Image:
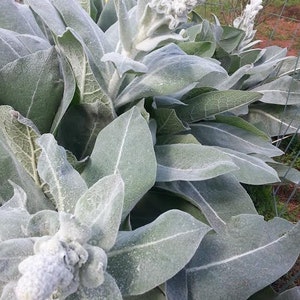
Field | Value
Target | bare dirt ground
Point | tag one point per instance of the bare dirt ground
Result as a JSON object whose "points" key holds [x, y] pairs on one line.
{"points": [[281, 27]]}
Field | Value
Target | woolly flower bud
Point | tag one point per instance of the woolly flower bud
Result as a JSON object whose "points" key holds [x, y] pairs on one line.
{"points": [[246, 21], [42, 275], [176, 10]]}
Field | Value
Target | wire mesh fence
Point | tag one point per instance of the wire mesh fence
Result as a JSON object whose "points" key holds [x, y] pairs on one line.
{"points": [[278, 23]]}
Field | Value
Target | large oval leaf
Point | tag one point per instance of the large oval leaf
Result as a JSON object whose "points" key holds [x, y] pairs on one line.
{"points": [[36, 94], [276, 120], [209, 104], [252, 248], [171, 70], [251, 170], [228, 136], [191, 162], [65, 184], [100, 208], [283, 91], [159, 249], [218, 198], [125, 146]]}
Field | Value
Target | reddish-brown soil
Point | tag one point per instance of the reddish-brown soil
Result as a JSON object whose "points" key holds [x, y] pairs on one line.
{"points": [[281, 27]]}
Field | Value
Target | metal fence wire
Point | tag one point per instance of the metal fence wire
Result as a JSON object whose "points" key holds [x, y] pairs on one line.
{"points": [[278, 23]]}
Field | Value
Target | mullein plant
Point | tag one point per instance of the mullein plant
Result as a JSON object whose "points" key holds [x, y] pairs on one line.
{"points": [[125, 140]]}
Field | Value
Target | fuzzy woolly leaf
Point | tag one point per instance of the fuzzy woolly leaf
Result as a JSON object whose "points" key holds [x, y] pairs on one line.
{"points": [[18, 17], [252, 248], [65, 183], [228, 136], [45, 222], [161, 79], [251, 169], [13, 215], [47, 12], [12, 252], [218, 198], [107, 290], [37, 91], [138, 252], [275, 120], [92, 272], [136, 164], [282, 91], [21, 135], [191, 162], [209, 104], [100, 208]]}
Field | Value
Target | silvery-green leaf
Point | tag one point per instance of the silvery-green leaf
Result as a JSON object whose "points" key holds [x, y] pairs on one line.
{"points": [[289, 66], [235, 80], [92, 272], [100, 208], [275, 120], [50, 16], [90, 89], [18, 17], [138, 252], [251, 170], [136, 164], [228, 136], [291, 294], [124, 26], [191, 162], [14, 216], [252, 248], [14, 45], [285, 172], [37, 91], [218, 198], [268, 63], [231, 37], [45, 222], [10, 167], [203, 48], [168, 122], [152, 42], [283, 91], [243, 124], [93, 37], [18, 201], [12, 252], [65, 184], [124, 64], [106, 291], [160, 80], [209, 104], [69, 91], [21, 135]]}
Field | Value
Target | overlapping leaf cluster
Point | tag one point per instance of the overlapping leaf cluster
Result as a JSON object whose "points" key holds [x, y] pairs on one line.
{"points": [[126, 135]]}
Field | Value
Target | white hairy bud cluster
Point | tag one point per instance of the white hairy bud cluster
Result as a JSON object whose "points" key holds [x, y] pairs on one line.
{"points": [[176, 10], [53, 269], [246, 22]]}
